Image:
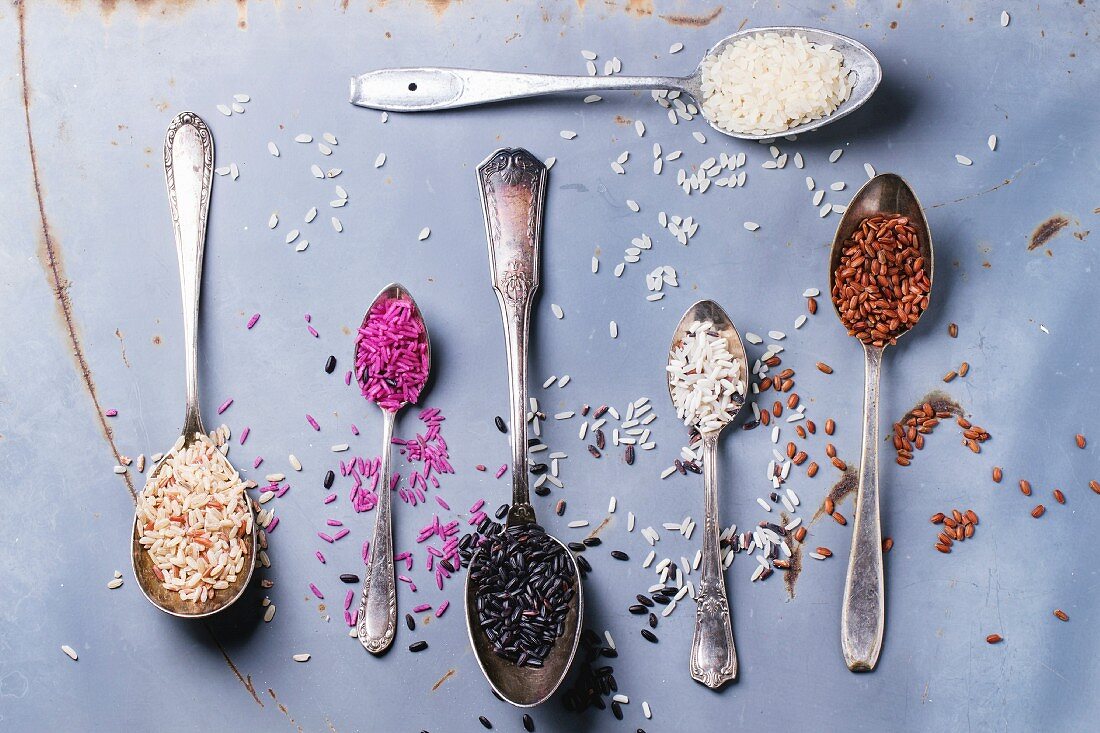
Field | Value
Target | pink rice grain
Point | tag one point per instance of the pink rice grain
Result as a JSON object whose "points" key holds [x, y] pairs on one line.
{"points": [[253, 320], [391, 358], [313, 423], [111, 413], [225, 405], [439, 500], [313, 332], [334, 523], [256, 463], [320, 557], [501, 470], [341, 534], [316, 591], [325, 537], [442, 608], [272, 525], [348, 599], [244, 434], [354, 430], [422, 608], [329, 499]]}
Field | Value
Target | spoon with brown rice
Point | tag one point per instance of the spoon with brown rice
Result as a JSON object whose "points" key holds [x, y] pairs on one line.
{"points": [[194, 540]]}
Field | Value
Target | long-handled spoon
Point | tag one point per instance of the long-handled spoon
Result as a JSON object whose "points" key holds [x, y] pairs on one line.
{"points": [[863, 613], [713, 654], [427, 89], [513, 191], [378, 607], [188, 168]]}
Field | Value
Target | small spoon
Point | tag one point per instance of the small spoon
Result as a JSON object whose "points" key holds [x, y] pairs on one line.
{"points": [[429, 89], [863, 613], [188, 169], [378, 606], [513, 192], [713, 654]]}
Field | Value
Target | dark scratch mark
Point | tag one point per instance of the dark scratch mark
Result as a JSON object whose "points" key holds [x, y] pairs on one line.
{"points": [[1002, 184], [247, 682], [49, 256], [693, 21], [790, 575], [450, 673], [596, 532], [1047, 231], [328, 722], [284, 711], [122, 345]]}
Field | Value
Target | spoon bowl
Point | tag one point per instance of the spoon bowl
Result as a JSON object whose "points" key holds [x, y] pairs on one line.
{"points": [[188, 169], [427, 89], [863, 615], [377, 622], [713, 653]]}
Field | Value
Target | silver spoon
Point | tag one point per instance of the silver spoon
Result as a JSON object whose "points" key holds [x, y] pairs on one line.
{"points": [[428, 89], [378, 606], [863, 613], [513, 191], [188, 168], [713, 654]]}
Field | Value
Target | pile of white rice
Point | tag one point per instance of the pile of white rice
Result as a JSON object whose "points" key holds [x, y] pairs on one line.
{"points": [[768, 83], [196, 517], [708, 387]]}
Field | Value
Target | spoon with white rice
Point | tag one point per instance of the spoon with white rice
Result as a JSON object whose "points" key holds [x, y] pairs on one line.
{"points": [[755, 84], [707, 373]]}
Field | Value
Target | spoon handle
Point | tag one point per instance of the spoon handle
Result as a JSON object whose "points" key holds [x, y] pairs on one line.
{"points": [[863, 614], [378, 607], [513, 192], [713, 654], [188, 171], [427, 89]]}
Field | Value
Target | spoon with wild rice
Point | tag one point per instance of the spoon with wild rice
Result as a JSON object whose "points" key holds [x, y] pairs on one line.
{"points": [[392, 360], [880, 270], [706, 381], [739, 73], [193, 546], [523, 589]]}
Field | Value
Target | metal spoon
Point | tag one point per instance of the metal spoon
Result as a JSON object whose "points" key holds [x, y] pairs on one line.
{"points": [[188, 169], [428, 89], [513, 191], [378, 606], [863, 613], [713, 654]]}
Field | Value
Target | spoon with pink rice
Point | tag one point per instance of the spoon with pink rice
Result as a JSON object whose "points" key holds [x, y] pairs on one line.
{"points": [[392, 363]]}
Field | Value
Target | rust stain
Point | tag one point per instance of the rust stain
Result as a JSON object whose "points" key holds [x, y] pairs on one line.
{"points": [[639, 8], [284, 711], [693, 21], [49, 255], [439, 7], [450, 673], [122, 345], [620, 120], [247, 682], [596, 532], [1047, 231], [790, 575], [847, 484], [242, 14]]}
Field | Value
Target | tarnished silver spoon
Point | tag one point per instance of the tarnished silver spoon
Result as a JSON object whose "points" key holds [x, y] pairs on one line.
{"points": [[428, 89], [713, 654], [863, 613], [377, 622], [513, 191], [188, 169]]}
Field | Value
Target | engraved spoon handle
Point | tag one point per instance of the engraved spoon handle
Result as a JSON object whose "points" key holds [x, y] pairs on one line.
{"points": [[863, 614], [188, 171], [378, 607], [427, 89], [513, 191], [713, 654]]}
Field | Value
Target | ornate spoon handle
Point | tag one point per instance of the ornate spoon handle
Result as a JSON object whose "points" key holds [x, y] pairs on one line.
{"points": [[713, 654], [513, 191], [427, 89], [378, 608], [188, 171], [863, 614]]}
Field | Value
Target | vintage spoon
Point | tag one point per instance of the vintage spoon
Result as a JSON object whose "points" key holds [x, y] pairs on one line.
{"points": [[713, 654], [863, 613], [378, 606], [188, 168], [428, 89], [513, 191]]}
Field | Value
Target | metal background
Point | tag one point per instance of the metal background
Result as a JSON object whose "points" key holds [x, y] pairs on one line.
{"points": [[85, 223]]}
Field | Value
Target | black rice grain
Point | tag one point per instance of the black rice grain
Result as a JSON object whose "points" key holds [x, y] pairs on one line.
{"points": [[649, 636], [329, 478], [502, 428], [330, 364], [418, 646], [349, 578]]}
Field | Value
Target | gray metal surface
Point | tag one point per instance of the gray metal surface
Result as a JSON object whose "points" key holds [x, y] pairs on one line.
{"points": [[87, 258]]}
